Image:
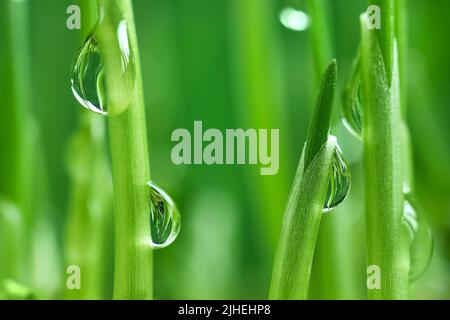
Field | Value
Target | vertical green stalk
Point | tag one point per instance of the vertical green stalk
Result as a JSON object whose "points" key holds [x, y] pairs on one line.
{"points": [[259, 98], [402, 41], [383, 161], [301, 221], [386, 34], [89, 218], [129, 158], [15, 132], [87, 235], [401, 34], [320, 36], [325, 282]]}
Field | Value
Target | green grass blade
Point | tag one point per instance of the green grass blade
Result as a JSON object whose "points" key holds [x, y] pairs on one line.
{"points": [[321, 120], [12, 241], [383, 168], [258, 95], [90, 209], [16, 130], [320, 36], [386, 34], [129, 159], [294, 256], [89, 219]]}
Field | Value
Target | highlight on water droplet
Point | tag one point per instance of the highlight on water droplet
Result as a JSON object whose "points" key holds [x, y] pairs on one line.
{"points": [[87, 77], [419, 236], [124, 45], [340, 181], [88, 74], [294, 19], [165, 219]]}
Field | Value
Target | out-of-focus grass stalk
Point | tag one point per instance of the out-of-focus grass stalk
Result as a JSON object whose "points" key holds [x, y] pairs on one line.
{"points": [[401, 33], [320, 35], [325, 282], [259, 99], [383, 160], [15, 130], [90, 211], [301, 221], [129, 158]]}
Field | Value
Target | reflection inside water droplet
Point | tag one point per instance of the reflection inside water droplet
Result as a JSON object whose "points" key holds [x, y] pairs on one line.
{"points": [[165, 219], [351, 104], [88, 80], [352, 110], [294, 19], [340, 181], [419, 236], [87, 77]]}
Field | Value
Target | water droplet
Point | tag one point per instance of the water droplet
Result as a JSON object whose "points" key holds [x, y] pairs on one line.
{"points": [[406, 189], [420, 237], [352, 109], [87, 77], [294, 19], [340, 181], [88, 80], [165, 219], [351, 105]]}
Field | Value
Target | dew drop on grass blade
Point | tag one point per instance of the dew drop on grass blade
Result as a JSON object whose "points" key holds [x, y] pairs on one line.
{"points": [[419, 236], [165, 219], [88, 81], [351, 104], [340, 181]]}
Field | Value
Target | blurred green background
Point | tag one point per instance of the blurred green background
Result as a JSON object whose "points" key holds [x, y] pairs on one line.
{"points": [[230, 64]]}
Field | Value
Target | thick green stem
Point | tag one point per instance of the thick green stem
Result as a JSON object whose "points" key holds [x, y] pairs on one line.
{"points": [[129, 157], [383, 160], [386, 34]]}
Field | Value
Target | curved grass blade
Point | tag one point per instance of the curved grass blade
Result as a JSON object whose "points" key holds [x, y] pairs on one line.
{"points": [[300, 227]]}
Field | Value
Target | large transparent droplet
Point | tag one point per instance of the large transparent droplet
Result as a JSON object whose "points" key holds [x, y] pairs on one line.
{"points": [[420, 237], [88, 79], [165, 219], [340, 181], [294, 19]]}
